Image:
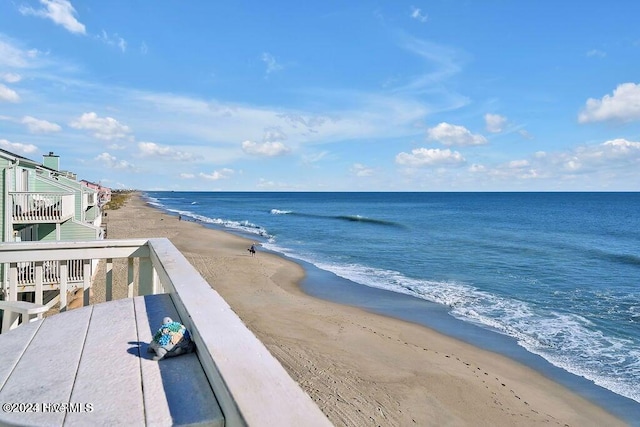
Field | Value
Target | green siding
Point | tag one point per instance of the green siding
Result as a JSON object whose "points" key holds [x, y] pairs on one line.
{"points": [[44, 186], [47, 232], [76, 187], [73, 231], [91, 214]]}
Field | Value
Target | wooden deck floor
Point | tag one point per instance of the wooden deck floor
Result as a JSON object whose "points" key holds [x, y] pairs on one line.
{"points": [[90, 366]]}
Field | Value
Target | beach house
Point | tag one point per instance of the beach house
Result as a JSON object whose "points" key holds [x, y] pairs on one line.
{"points": [[104, 193], [40, 202]]}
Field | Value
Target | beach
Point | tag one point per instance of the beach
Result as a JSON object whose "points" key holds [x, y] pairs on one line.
{"points": [[360, 368]]}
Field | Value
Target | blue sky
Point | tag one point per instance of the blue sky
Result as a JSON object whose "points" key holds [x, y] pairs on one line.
{"points": [[445, 95]]}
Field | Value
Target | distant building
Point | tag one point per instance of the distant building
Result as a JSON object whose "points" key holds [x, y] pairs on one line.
{"points": [[104, 193]]}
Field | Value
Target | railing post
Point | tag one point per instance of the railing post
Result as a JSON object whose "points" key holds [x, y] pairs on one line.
{"points": [[109, 279], [86, 281], [63, 272], [39, 279], [10, 319], [157, 285], [145, 279], [130, 277]]}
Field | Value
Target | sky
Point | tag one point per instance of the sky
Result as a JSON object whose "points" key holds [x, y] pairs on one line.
{"points": [[439, 95]]}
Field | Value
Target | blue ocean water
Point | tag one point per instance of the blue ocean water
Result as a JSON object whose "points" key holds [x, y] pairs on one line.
{"points": [[559, 273]]}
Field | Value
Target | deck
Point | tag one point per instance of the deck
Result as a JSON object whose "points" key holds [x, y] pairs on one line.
{"points": [[95, 359], [90, 366]]}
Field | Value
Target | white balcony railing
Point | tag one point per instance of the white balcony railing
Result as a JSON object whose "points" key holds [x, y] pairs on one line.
{"points": [[251, 386], [39, 207], [49, 272]]}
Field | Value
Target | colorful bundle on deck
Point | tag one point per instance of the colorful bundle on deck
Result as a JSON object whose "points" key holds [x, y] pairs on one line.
{"points": [[172, 339]]}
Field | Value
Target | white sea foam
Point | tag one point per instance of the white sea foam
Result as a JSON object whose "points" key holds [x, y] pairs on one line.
{"points": [[241, 226], [153, 201], [279, 212], [568, 341]]}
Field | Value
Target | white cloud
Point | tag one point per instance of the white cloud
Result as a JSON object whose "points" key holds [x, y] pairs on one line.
{"points": [[596, 52], [622, 146], [266, 184], [40, 126], [525, 134], [187, 176], [217, 175], [430, 157], [444, 62], [12, 56], [10, 77], [371, 116], [476, 168], [106, 128], [18, 147], [573, 164], [114, 40], [361, 170], [60, 12], [8, 95], [112, 162], [314, 157], [274, 133], [454, 135], [271, 63], [151, 149], [517, 164], [495, 122], [417, 14], [623, 105], [592, 163], [267, 149]]}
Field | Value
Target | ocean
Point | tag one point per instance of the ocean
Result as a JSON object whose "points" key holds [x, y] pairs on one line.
{"points": [[549, 279]]}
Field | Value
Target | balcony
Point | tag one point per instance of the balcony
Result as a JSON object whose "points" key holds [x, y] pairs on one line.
{"points": [[29, 207], [90, 199], [61, 358]]}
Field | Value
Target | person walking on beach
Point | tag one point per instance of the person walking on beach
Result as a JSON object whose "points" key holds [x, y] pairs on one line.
{"points": [[252, 250]]}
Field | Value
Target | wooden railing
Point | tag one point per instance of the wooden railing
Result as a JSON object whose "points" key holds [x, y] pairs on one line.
{"points": [[250, 385], [33, 207], [50, 273]]}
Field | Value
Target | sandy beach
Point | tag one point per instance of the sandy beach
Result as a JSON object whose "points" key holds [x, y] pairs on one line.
{"points": [[362, 369]]}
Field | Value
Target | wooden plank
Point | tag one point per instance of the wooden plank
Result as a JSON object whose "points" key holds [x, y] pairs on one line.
{"points": [[46, 371], [108, 376], [176, 390], [13, 345]]}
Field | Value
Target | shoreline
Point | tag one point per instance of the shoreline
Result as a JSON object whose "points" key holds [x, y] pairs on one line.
{"points": [[360, 367]]}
